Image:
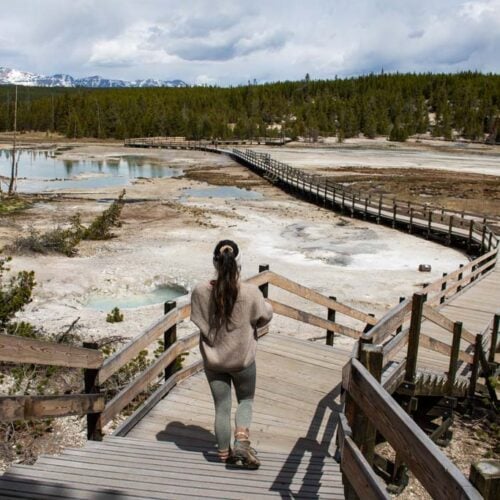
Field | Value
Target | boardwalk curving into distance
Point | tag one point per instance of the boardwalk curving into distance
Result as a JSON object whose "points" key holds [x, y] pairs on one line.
{"points": [[434, 343]]}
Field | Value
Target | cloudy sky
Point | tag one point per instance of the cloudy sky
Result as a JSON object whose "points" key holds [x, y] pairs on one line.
{"points": [[230, 42]]}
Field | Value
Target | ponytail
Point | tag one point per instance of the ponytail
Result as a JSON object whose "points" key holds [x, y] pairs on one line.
{"points": [[225, 288]]}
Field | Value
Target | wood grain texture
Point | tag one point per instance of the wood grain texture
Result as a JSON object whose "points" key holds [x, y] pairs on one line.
{"points": [[318, 298], [147, 377], [311, 319], [23, 350], [434, 470], [33, 407]]}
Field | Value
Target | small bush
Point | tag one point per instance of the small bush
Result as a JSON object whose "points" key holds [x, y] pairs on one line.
{"points": [[15, 292], [115, 316], [66, 239], [100, 227]]}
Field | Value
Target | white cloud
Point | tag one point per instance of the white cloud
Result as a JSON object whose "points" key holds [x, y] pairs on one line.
{"points": [[231, 42]]}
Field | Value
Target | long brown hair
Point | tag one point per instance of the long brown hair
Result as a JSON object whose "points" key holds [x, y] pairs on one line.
{"points": [[225, 288]]}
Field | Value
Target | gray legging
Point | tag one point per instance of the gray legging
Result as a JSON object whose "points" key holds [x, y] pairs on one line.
{"points": [[220, 385]]}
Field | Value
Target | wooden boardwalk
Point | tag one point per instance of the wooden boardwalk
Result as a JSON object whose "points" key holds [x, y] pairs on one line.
{"points": [[475, 308], [171, 452], [166, 449]]}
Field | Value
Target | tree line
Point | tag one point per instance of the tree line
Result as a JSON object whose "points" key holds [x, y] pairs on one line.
{"points": [[395, 105]]}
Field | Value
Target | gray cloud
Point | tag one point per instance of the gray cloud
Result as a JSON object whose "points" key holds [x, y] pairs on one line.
{"points": [[230, 42]]}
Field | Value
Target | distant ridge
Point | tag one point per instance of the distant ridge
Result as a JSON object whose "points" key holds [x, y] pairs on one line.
{"points": [[10, 76]]}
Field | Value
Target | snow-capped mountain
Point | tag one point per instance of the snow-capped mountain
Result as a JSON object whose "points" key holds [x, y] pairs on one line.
{"points": [[10, 76]]}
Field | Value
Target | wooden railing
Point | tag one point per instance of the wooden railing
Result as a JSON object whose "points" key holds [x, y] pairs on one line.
{"points": [[26, 407], [370, 379], [474, 232], [370, 402], [182, 143], [98, 371]]}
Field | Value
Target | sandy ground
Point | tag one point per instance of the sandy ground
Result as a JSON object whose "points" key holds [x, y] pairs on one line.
{"points": [[168, 237], [380, 153]]}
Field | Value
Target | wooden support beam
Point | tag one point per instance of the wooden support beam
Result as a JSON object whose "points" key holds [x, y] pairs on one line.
{"points": [[15, 349]]}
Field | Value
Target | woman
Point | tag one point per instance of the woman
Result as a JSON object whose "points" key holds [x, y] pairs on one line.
{"points": [[228, 313]]}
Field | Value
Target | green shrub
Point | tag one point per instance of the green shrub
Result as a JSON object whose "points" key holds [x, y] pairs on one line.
{"points": [[66, 239], [100, 227], [115, 316], [15, 292]]}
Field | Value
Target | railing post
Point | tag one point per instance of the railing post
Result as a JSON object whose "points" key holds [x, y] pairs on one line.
{"points": [[94, 431], [265, 287], [330, 334], [379, 209], [475, 366], [494, 338], [414, 335], [455, 348], [485, 476], [483, 236], [460, 276], [443, 288], [399, 329], [471, 229], [410, 226], [394, 212], [364, 434], [169, 338], [429, 225], [450, 230]]}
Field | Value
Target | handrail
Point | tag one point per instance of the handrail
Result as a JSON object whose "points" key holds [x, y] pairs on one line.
{"points": [[143, 340], [441, 320], [311, 319], [435, 471], [318, 298], [147, 377], [396, 316], [30, 407], [14, 349]]}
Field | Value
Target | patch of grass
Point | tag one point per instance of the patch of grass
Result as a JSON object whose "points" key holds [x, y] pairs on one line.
{"points": [[12, 204]]}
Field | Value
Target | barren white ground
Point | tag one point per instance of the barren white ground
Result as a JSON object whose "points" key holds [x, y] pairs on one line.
{"points": [[170, 239]]}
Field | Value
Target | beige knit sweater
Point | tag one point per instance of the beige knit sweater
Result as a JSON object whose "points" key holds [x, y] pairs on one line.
{"points": [[230, 349]]}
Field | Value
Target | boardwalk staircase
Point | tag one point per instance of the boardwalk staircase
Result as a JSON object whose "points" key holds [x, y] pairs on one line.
{"points": [[321, 411]]}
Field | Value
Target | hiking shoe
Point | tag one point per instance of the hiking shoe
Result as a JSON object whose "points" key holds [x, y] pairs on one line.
{"points": [[245, 454]]}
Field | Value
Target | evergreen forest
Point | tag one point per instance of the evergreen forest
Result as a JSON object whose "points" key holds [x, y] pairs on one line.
{"points": [[465, 105]]}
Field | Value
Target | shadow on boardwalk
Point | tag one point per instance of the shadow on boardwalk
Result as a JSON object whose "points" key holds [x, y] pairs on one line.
{"points": [[318, 447]]}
